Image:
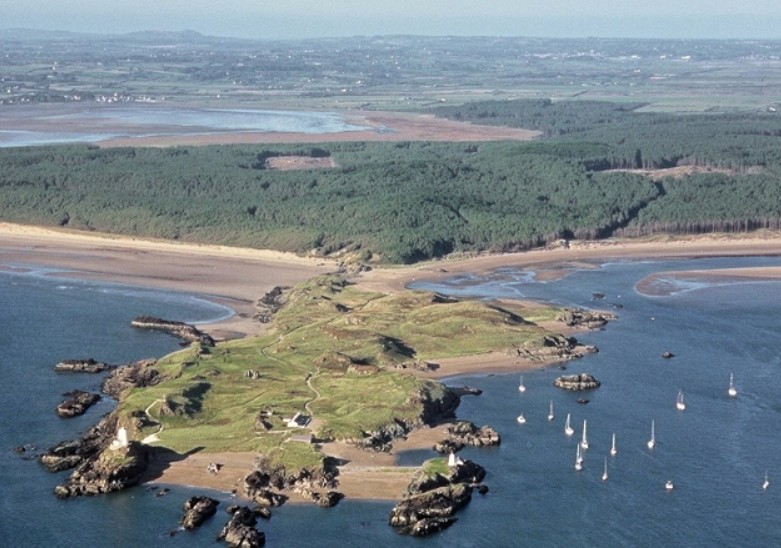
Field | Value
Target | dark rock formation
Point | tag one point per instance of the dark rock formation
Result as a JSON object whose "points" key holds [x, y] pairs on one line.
{"points": [[583, 381], [77, 403], [553, 348], [466, 390], [111, 470], [82, 366], [69, 454], [466, 433], [270, 303], [240, 531], [188, 333], [431, 500], [318, 485], [197, 510], [137, 374], [576, 317], [327, 499]]}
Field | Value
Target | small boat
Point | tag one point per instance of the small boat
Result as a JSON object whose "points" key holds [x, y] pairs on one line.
{"points": [[584, 441], [613, 450], [732, 391], [578, 460], [766, 483], [668, 486], [604, 473], [521, 386], [679, 405], [567, 428], [550, 411], [521, 419], [583, 401], [652, 442]]}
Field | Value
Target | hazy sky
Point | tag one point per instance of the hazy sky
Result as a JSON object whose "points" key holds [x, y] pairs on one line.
{"points": [[276, 19]]}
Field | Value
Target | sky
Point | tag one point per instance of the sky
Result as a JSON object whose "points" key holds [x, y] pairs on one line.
{"points": [[295, 19]]}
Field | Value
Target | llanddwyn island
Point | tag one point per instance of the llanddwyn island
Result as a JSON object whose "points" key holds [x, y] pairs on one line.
{"points": [[451, 283]]}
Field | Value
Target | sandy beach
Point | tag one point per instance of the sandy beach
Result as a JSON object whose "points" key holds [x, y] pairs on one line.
{"points": [[239, 277]]}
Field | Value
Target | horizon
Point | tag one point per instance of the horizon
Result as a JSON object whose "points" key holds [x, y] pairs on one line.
{"points": [[307, 19]]}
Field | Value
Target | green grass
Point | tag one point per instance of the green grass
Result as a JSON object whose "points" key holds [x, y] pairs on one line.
{"points": [[214, 407]]}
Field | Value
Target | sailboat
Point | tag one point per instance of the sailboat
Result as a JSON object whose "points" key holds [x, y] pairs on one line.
{"points": [[584, 441], [766, 483], [604, 474], [521, 419], [550, 411], [679, 405], [521, 387], [668, 485], [567, 428], [613, 450], [732, 391], [652, 442], [578, 460]]}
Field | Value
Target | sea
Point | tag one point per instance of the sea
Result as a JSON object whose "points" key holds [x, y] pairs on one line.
{"points": [[716, 452]]}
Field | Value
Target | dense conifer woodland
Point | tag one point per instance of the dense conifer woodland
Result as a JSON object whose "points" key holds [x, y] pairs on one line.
{"points": [[599, 169]]}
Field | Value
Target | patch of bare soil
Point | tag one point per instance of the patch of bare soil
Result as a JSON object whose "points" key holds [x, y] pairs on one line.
{"points": [[289, 163], [678, 172]]}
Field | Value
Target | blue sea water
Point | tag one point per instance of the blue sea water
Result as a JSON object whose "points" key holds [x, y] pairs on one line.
{"points": [[716, 452]]}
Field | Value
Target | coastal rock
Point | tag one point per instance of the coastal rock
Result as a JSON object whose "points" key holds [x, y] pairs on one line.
{"points": [[83, 366], [77, 403], [138, 374], [411, 514], [197, 510], [240, 531], [577, 317], [69, 454], [327, 499], [465, 433], [429, 526], [111, 470], [583, 381], [270, 303], [188, 333], [553, 348]]}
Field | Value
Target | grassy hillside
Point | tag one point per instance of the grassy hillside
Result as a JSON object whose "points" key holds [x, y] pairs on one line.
{"points": [[334, 353]]}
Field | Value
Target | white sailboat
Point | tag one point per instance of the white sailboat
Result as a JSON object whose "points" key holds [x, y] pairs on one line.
{"points": [[613, 449], [567, 428], [521, 386], [604, 473], [584, 441], [679, 405], [578, 460], [732, 391], [550, 411], [766, 483], [652, 442], [668, 485], [521, 419]]}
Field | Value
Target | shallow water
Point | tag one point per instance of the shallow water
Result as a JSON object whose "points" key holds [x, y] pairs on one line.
{"points": [[94, 123], [716, 451]]}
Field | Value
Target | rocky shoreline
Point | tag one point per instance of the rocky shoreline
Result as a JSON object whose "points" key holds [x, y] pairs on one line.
{"points": [[186, 332]]}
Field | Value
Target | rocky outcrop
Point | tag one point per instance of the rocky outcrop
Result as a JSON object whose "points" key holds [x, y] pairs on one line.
{"points": [[579, 318], [270, 303], [583, 381], [112, 470], [553, 348], [83, 366], [431, 499], [465, 433], [77, 403], [240, 531], [69, 454], [188, 333], [317, 485], [197, 510], [137, 374]]}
